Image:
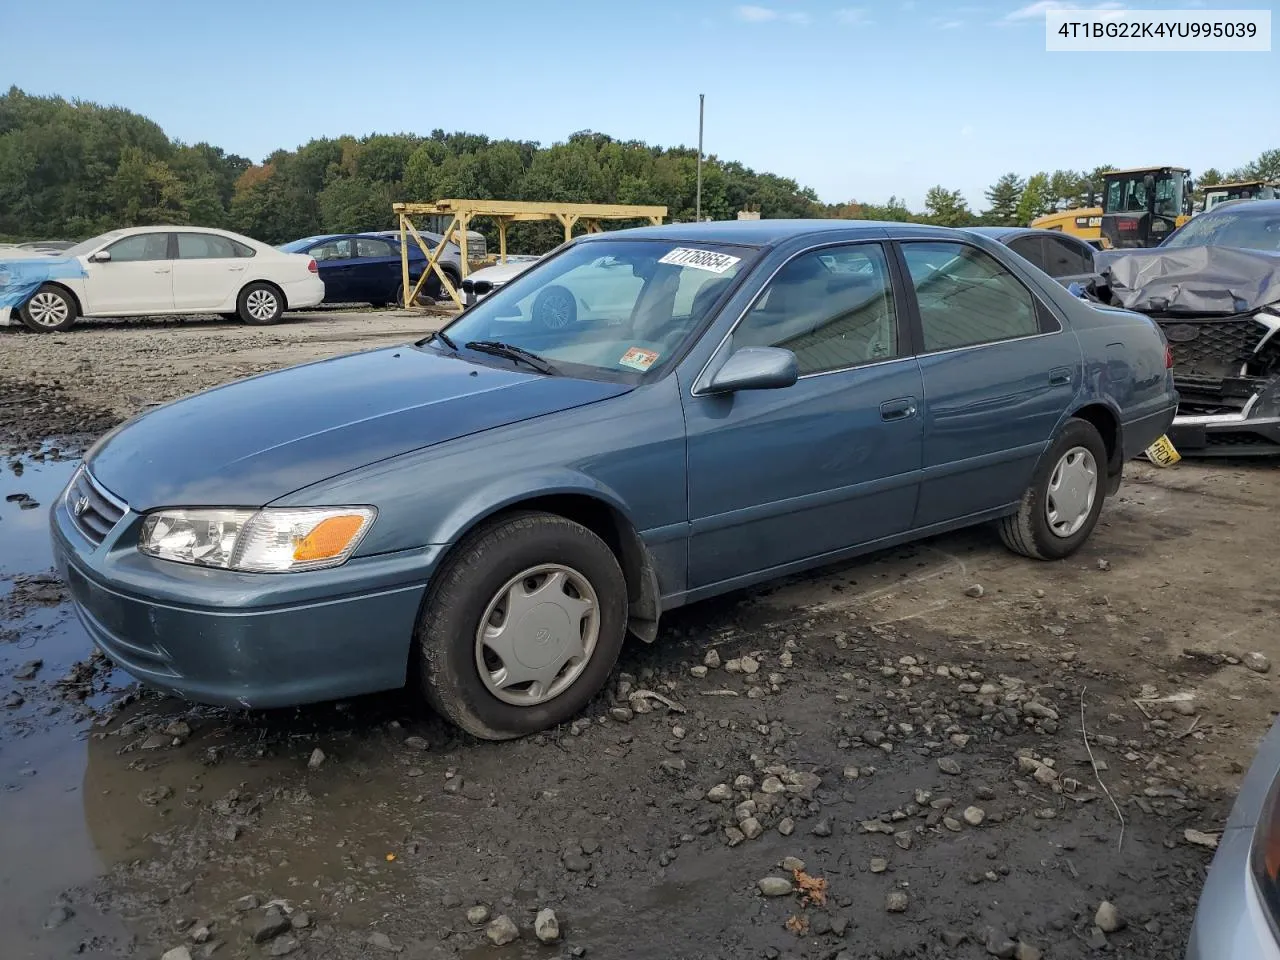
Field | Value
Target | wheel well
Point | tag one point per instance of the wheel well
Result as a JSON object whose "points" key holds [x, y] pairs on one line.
{"points": [[284, 298], [68, 291], [616, 531], [1108, 427]]}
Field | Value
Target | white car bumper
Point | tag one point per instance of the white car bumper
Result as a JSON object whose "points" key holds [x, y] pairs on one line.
{"points": [[5, 318], [304, 293]]}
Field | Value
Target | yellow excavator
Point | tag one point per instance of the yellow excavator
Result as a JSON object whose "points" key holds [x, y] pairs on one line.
{"points": [[1140, 207], [1241, 190]]}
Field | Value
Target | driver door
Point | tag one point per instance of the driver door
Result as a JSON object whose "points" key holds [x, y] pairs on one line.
{"points": [[782, 477], [136, 280]]}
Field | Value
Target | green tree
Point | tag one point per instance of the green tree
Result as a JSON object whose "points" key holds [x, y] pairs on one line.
{"points": [[1266, 167], [1035, 199], [947, 208], [1003, 196]]}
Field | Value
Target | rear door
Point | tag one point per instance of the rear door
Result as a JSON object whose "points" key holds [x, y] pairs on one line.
{"points": [[378, 269], [338, 268], [137, 279], [998, 372], [208, 272]]}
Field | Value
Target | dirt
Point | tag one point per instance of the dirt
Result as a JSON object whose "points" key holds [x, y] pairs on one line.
{"points": [[135, 824]]}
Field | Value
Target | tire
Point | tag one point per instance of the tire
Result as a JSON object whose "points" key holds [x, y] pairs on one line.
{"points": [[229, 316], [485, 568], [49, 310], [260, 304], [1030, 531], [555, 308], [421, 300]]}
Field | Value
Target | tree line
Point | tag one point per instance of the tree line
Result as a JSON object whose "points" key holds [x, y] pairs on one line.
{"points": [[70, 169]]}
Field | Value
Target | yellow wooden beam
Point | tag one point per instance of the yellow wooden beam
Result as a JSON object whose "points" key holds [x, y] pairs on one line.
{"points": [[433, 265], [529, 209]]}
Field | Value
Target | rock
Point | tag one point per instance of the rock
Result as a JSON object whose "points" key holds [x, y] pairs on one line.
{"points": [[501, 931], [1040, 711], [733, 836], [698, 671], [417, 743], [720, 792], [57, 917], [245, 904], [1026, 951], [792, 864], [774, 886], [157, 742], [673, 767], [974, 816], [851, 773], [1108, 918], [283, 946], [546, 927], [13, 700], [380, 941], [749, 666], [953, 938], [879, 864], [712, 659], [1206, 840], [974, 591], [949, 765], [821, 829], [28, 670], [1097, 940], [772, 785], [271, 924], [896, 902], [575, 862], [153, 796], [621, 714], [786, 826], [1256, 662], [177, 953], [751, 828], [317, 759], [478, 914], [903, 839], [300, 920], [200, 934], [180, 729]]}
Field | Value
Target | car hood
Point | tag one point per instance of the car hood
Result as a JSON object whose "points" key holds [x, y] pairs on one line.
{"points": [[251, 442], [1192, 280]]}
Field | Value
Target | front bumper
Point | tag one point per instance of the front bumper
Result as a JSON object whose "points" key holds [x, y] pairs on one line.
{"points": [[1230, 922], [248, 640], [1228, 435]]}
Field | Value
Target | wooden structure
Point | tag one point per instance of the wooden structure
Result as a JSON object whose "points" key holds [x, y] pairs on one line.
{"points": [[506, 212]]}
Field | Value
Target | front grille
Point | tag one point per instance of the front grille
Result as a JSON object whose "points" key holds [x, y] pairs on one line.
{"points": [[1214, 348], [93, 510], [1236, 438]]}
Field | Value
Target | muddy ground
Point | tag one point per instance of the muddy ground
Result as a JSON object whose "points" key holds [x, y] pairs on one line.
{"points": [[917, 742]]}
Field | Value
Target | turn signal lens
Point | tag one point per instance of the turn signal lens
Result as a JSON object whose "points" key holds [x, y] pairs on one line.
{"points": [[328, 538], [1264, 859]]}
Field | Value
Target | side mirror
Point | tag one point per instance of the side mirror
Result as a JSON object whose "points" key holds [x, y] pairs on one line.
{"points": [[102, 256], [755, 368]]}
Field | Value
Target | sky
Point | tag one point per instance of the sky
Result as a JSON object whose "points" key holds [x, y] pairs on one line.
{"points": [[858, 99]]}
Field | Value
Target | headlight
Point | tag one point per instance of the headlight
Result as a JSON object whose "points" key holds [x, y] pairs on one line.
{"points": [[274, 540]]}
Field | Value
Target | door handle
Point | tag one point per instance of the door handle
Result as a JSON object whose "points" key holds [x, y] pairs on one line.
{"points": [[1059, 376], [901, 409], [162, 270], [236, 269]]}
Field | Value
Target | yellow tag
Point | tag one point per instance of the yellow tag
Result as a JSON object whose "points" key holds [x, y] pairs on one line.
{"points": [[1162, 453]]}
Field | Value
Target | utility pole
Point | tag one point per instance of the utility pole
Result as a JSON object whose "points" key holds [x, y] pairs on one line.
{"points": [[697, 216]]}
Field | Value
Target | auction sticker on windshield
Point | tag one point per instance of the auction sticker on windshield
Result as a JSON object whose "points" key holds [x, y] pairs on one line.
{"points": [[700, 259], [638, 358]]}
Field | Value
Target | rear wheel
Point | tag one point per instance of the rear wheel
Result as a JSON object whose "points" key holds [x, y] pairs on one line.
{"points": [[1061, 506], [421, 300], [522, 626], [49, 310], [260, 304]]}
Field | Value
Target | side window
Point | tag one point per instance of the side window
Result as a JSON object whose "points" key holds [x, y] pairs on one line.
{"points": [[141, 246], [204, 246], [333, 250], [966, 296], [366, 247], [1031, 248], [243, 249], [832, 308], [1067, 259]]}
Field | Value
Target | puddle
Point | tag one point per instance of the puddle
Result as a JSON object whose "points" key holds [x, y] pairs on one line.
{"points": [[24, 524]]}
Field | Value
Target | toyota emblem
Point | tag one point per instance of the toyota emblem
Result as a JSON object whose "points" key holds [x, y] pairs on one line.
{"points": [[82, 504], [1182, 333]]}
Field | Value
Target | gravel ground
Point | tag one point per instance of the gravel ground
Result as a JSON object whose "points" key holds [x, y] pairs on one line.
{"points": [[887, 759]]}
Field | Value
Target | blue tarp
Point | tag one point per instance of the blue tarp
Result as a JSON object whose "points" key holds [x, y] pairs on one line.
{"points": [[20, 277]]}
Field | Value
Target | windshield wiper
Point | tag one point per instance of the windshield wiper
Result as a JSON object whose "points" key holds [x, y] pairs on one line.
{"points": [[443, 338], [512, 352]]}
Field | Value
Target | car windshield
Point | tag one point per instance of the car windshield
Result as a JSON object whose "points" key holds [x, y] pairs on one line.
{"points": [[297, 246], [1230, 228], [607, 309], [93, 243]]}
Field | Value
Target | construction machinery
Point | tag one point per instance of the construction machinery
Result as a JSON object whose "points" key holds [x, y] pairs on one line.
{"points": [[1140, 207], [1241, 190]]}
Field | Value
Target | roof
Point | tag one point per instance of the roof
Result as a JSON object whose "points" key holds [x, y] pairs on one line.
{"points": [[762, 232], [1000, 232], [1242, 183], [1261, 208], [1162, 166]]}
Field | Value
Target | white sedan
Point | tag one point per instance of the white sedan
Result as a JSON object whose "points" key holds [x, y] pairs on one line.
{"points": [[152, 271]]}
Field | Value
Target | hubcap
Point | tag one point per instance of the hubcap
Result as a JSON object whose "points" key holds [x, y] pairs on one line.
{"points": [[1073, 487], [48, 309], [537, 635], [261, 304], [555, 312]]}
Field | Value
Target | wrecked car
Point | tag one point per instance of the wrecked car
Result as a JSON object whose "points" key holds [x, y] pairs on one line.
{"points": [[1214, 288]]}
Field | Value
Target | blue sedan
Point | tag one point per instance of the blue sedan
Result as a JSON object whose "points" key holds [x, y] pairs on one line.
{"points": [[359, 268], [644, 419]]}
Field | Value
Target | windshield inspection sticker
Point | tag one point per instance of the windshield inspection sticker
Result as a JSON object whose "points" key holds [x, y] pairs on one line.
{"points": [[700, 259], [638, 358]]}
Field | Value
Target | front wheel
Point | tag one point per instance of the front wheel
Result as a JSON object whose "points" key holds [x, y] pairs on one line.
{"points": [[49, 310], [260, 304], [1061, 506], [522, 627]]}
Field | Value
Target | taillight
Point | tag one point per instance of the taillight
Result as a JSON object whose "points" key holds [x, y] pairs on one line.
{"points": [[311, 266], [1127, 226], [1168, 357]]}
